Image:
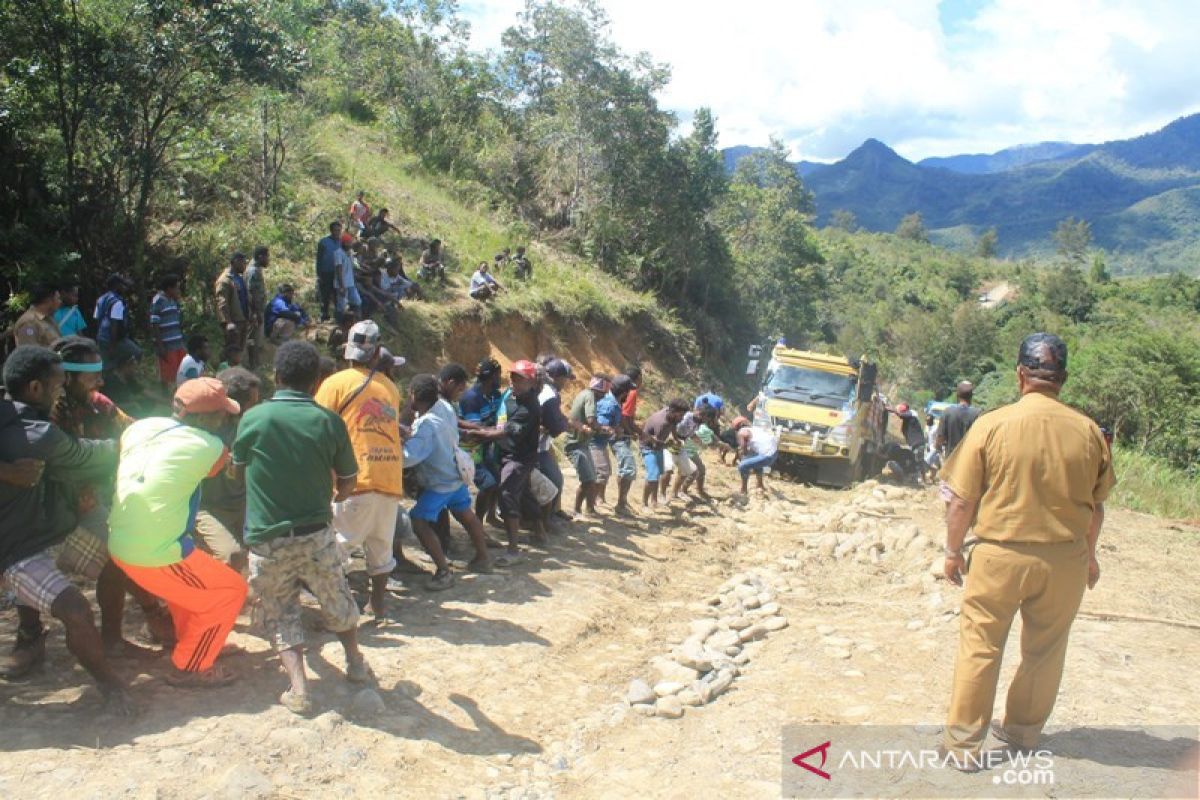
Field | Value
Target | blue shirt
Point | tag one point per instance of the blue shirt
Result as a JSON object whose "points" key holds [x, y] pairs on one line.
{"points": [[327, 249], [608, 413], [70, 321], [165, 315], [431, 449], [479, 407], [243, 296], [280, 308]]}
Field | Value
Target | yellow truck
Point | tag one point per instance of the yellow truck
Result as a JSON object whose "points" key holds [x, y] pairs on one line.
{"points": [[829, 415]]}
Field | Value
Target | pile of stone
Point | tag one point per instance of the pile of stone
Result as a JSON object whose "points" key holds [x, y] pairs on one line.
{"points": [[719, 646], [865, 527]]}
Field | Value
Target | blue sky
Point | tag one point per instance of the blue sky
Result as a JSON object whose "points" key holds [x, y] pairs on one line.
{"points": [[927, 77]]}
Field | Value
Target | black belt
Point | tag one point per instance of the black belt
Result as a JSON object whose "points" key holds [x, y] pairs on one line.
{"points": [[305, 530]]}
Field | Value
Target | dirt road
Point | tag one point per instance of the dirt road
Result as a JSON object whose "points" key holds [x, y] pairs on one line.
{"points": [[515, 685]]}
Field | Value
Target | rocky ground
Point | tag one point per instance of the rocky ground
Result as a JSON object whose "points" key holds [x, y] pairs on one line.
{"points": [[657, 657]]}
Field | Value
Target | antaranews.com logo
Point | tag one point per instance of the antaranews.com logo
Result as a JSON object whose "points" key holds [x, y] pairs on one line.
{"points": [[905, 761]]}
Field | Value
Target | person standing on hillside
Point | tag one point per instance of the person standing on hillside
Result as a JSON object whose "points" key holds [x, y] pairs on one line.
{"points": [[369, 404], [37, 326], [256, 284], [1032, 477], [327, 250], [166, 320], [233, 301], [297, 459], [111, 315], [345, 288], [360, 214]]}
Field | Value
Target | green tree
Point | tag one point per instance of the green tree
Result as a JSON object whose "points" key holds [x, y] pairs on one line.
{"points": [[1072, 238], [986, 246], [913, 227], [1066, 291], [844, 219], [1100, 274]]}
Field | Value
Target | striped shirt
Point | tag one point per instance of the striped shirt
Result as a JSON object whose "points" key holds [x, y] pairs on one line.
{"points": [[166, 317]]}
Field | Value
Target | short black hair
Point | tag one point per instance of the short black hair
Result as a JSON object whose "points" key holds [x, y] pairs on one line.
{"points": [[337, 223], [328, 366], [237, 256], [26, 364], [261, 250], [168, 281], [116, 282], [424, 388], [679, 406], [1044, 355], [284, 288], [76, 348], [239, 383], [41, 292], [297, 364], [453, 372], [634, 372], [195, 342]]}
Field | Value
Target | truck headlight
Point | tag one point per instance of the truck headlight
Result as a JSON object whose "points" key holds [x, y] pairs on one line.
{"points": [[840, 435]]}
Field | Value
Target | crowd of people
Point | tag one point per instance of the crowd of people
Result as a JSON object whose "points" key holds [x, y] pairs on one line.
{"points": [[234, 494]]}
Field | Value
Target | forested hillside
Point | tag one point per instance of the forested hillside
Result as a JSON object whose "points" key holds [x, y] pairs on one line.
{"points": [[160, 137]]}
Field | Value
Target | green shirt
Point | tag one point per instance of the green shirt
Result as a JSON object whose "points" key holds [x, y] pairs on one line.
{"points": [[290, 448], [583, 407], [157, 492]]}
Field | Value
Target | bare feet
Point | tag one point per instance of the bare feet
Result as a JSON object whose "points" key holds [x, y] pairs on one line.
{"points": [[296, 702], [119, 702], [357, 671], [123, 648], [481, 565]]}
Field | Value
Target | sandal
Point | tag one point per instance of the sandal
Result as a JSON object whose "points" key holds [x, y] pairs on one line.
{"points": [[300, 704], [481, 566], [508, 559], [216, 675], [442, 579]]}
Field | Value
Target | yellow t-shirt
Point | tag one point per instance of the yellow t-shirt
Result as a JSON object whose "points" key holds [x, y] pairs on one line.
{"points": [[1038, 469], [372, 420]]}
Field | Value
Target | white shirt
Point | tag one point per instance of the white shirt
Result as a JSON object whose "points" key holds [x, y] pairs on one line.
{"points": [[481, 279], [189, 368], [343, 265]]}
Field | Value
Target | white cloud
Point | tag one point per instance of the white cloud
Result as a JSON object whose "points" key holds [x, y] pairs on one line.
{"points": [[826, 74]]}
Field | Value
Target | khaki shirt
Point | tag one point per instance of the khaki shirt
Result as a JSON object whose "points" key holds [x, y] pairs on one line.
{"points": [[229, 305], [1038, 469], [33, 328]]}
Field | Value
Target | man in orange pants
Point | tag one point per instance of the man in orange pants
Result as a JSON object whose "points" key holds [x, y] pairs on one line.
{"points": [[162, 463]]}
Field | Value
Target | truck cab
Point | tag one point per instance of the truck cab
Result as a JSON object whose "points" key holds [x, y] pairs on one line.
{"points": [[829, 416]]}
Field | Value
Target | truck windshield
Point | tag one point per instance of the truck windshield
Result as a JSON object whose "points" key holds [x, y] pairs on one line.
{"points": [[810, 386]]}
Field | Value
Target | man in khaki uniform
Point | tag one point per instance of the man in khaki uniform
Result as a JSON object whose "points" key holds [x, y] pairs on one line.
{"points": [[233, 301], [36, 325], [1033, 477]]}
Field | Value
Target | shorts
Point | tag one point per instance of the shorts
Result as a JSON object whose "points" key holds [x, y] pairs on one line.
{"points": [[280, 568], [755, 464], [485, 475], [678, 462], [626, 463], [168, 365], [218, 532], [368, 521], [654, 462], [431, 504], [581, 459], [601, 461], [38, 580], [514, 489], [548, 466], [542, 488]]}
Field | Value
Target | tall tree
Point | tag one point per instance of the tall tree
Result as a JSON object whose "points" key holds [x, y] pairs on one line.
{"points": [[913, 227], [1072, 238]]}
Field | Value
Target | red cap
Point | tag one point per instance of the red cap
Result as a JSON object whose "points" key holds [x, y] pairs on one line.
{"points": [[203, 396], [902, 408], [526, 368], [347, 238]]}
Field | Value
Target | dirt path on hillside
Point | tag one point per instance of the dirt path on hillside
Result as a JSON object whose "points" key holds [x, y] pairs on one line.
{"points": [[515, 685]]}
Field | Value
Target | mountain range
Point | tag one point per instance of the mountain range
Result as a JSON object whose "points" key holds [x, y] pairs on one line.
{"points": [[1141, 195]]}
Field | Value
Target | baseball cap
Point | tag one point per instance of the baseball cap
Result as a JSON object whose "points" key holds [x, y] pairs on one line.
{"points": [[526, 368], [396, 361], [362, 341], [1044, 352], [487, 368], [557, 368], [203, 396]]}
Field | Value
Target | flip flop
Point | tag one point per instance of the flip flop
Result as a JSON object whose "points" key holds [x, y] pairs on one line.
{"points": [[508, 559]]}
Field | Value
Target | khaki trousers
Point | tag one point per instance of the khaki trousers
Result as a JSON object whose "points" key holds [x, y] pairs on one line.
{"points": [[1045, 583]]}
